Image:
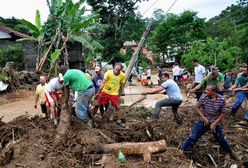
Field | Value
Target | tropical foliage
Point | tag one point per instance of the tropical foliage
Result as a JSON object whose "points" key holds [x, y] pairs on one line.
{"points": [[66, 22], [178, 31], [122, 25], [102, 33], [213, 52]]}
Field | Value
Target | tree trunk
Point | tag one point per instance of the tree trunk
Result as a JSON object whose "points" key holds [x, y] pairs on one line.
{"points": [[137, 148], [65, 117], [42, 61]]}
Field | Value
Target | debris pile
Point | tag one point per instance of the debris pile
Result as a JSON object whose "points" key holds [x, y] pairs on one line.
{"points": [[30, 142]]}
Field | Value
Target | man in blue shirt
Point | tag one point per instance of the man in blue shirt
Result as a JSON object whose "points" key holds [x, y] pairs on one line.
{"points": [[175, 96], [240, 83], [97, 82]]}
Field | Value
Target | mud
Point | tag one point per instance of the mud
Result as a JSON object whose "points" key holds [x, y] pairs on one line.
{"points": [[32, 140]]}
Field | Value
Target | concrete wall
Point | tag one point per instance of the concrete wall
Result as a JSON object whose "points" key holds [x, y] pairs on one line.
{"points": [[76, 57], [30, 52]]}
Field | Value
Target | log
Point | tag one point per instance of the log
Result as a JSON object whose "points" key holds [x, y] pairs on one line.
{"points": [[137, 148], [139, 100], [65, 117]]}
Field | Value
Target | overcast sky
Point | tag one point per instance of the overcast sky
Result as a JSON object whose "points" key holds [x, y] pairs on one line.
{"points": [[205, 8]]}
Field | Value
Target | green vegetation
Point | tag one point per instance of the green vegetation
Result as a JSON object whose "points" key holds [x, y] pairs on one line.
{"points": [[3, 77], [222, 40], [11, 54], [215, 52]]}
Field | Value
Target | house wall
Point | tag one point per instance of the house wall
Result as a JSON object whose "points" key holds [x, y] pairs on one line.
{"points": [[76, 57], [30, 52], [4, 35]]}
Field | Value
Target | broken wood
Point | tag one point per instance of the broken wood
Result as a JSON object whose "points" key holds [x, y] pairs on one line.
{"points": [[212, 159], [136, 102], [65, 117], [106, 137], [137, 148]]}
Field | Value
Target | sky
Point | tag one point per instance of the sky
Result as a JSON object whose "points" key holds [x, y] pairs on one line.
{"points": [[25, 9]]}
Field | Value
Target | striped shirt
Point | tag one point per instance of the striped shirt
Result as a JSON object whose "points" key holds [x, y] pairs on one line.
{"points": [[212, 108]]}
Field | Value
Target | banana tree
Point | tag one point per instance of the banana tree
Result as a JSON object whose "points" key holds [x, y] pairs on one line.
{"points": [[68, 19], [36, 30]]}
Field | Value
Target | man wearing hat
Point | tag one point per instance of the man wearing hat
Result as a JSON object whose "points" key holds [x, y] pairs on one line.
{"points": [[97, 82], [53, 96]]}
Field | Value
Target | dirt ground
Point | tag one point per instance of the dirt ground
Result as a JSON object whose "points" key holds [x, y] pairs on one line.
{"points": [[29, 140]]}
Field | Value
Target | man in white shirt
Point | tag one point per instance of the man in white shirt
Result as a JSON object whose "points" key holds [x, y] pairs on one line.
{"points": [[149, 76], [176, 73], [174, 99], [200, 73], [52, 97]]}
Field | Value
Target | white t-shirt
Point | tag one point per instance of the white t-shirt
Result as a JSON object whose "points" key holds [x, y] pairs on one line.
{"points": [[199, 73], [148, 73], [54, 85], [172, 89], [176, 70]]}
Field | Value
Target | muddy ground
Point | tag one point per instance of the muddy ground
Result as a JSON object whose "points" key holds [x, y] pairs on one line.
{"points": [[29, 140]]}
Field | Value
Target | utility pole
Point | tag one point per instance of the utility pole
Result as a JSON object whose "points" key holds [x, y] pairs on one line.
{"points": [[136, 53]]}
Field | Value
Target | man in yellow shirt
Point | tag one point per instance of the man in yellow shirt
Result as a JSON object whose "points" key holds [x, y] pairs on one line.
{"points": [[111, 89], [40, 94]]}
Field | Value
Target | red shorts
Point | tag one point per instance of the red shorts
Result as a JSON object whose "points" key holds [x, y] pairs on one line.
{"points": [[104, 98], [50, 97], [185, 79]]}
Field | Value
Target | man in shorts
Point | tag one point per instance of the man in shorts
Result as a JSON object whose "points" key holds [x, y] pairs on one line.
{"points": [[111, 89], [53, 96], [40, 95]]}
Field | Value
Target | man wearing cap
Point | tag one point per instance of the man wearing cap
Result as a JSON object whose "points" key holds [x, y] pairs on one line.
{"points": [[79, 82], [111, 89], [52, 97], [97, 81], [40, 95]]}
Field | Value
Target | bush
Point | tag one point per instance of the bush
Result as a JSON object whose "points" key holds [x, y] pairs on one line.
{"points": [[12, 54], [3, 77]]}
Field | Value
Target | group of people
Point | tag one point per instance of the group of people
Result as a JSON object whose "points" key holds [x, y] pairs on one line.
{"points": [[107, 88], [103, 88], [180, 74], [211, 102], [144, 75]]}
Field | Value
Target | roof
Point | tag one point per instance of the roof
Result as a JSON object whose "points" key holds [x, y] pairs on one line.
{"points": [[15, 33]]}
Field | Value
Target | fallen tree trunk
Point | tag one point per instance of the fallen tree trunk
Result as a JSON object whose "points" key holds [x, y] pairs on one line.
{"points": [[65, 117], [137, 148]]}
